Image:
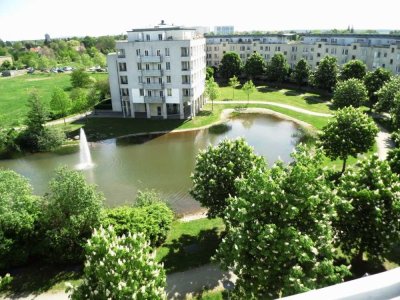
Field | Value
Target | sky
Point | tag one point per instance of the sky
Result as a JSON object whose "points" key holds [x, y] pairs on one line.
{"points": [[32, 19]]}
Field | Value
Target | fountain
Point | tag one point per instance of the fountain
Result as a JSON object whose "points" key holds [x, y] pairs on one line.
{"points": [[84, 152]]}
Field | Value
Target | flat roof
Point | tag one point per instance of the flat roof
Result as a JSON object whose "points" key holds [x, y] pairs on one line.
{"points": [[160, 28]]}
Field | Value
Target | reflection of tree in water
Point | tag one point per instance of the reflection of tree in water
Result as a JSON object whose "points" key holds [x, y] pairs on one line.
{"points": [[247, 121]]}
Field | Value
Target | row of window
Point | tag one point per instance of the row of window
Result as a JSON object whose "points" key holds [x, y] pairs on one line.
{"points": [[150, 93], [185, 66], [186, 79]]}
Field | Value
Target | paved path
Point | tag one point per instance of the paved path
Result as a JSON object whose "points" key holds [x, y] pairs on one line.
{"points": [[290, 107], [384, 142], [179, 285]]}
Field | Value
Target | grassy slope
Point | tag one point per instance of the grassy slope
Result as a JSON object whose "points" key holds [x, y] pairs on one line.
{"points": [[14, 93]]}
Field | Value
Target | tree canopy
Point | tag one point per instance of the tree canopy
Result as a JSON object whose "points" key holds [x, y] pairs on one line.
{"points": [[233, 83], [301, 72], [255, 66], [277, 68], [212, 90], [249, 88], [231, 65], [374, 80], [387, 93], [353, 69], [326, 74], [351, 92]]}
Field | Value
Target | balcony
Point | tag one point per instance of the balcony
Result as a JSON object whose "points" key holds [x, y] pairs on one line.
{"points": [[125, 98], [152, 73], [150, 59], [154, 99], [153, 86]]}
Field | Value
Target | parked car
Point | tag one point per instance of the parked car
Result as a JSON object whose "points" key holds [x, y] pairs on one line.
{"points": [[67, 68], [31, 70]]}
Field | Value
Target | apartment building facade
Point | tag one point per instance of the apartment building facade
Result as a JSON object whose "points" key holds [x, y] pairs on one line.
{"points": [[374, 50], [158, 73]]}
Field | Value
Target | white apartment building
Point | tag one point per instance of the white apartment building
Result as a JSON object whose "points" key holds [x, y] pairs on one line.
{"points": [[158, 73], [377, 50]]}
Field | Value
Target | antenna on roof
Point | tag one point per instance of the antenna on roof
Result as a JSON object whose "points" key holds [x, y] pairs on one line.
{"points": [[162, 22]]}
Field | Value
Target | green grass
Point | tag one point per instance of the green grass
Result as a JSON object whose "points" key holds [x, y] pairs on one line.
{"points": [[14, 93], [309, 101], [190, 244]]}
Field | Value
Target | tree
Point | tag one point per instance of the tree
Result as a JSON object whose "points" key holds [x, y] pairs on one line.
{"points": [[249, 88], [351, 92], [278, 68], [395, 112], [387, 93], [325, 76], [37, 114], [216, 170], [233, 83], [278, 230], [353, 69], [79, 100], [60, 102], [19, 216], [6, 65], [255, 66], [393, 158], [120, 267], [105, 44], [351, 132], [301, 72], [5, 281], [72, 210], [209, 72], [212, 91], [374, 81], [369, 210], [103, 87], [80, 79], [231, 65]]}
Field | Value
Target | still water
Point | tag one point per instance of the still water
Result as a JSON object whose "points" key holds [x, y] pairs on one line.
{"points": [[163, 163]]}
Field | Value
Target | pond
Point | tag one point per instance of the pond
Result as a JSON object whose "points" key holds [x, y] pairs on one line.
{"points": [[162, 162]]}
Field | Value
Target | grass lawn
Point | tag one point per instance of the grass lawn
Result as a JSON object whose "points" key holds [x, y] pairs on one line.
{"points": [[14, 93], [305, 100]]}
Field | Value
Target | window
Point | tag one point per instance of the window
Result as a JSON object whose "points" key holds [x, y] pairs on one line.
{"points": [[166, 51], [159, 66], [184, 51], [216, 48], [168, 65], [168, 79], [148, 80], [139, 66], [284, 52], [185, 66], [169, 92], [124, 92], [161, 94], [158, 52], [124, 79], [148, 93], [318, 54], [261, 48], [354, 47], [248, 47], [146, 52], [122, 66], [392, 50], [353, 57], [147, 67], [147, 37], [185, 79], [391, 61], [160, 80], [160, 37], [140, 79], [327, 50], [141, 92], [242, 48], [319, 45], [277, 48], [385, 54], [121, 53], [294, 49], [138, 52], [186, 92]]}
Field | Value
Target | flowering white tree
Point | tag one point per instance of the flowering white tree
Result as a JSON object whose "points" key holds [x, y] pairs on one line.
{"points": [[120, 268]]}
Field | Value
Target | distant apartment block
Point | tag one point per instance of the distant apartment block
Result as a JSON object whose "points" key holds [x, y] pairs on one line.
{"points": [[375, 51], [158, 73], [224, 30]]}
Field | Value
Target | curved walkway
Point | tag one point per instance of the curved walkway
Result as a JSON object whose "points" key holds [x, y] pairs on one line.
{"points": [[287, 106]]}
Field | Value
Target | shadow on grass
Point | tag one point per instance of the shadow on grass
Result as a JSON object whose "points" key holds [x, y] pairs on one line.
{"points": [[191, 251], [294, 93], [267, 89], [361, 268], [37, 279]]}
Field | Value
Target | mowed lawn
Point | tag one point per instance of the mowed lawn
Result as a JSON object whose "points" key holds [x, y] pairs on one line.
{"points": [[14, 93], [305, 100]]}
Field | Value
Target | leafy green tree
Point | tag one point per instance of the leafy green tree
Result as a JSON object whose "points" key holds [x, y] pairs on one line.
{"points": [[301, 72], [351, 132], [326, 74], [278, 230], [60, 102], [255, 66], [234, 83], [393, 158], [387, 93], [374, 81], [9, 141], [212, 91], [209, 72], [277, 69], [72, 210], [6, 65], [216, 170], [231, 65], [103, 88], [19, 216], [369, 210], [249, 88], [89, 42], [395, 112], [351, 92], [120, 267], [353, 69], [79, 100], [105, 44], [5, 281], [80, 78], [37, 114]]}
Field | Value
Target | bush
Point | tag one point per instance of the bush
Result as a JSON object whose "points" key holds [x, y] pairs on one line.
{"points": [[120, 268], [19, 214], [5, 281], [48, 139], [73, 209], [154, 220]]}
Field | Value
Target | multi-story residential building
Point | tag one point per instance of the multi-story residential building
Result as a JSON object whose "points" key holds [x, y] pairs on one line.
{"points": [[158, 73], [224, 29], [377, 50]]}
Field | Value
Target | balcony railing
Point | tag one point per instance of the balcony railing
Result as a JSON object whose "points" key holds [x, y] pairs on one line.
{"points": [[155, 73], [150, 59], [153, 86], [154, 99]]}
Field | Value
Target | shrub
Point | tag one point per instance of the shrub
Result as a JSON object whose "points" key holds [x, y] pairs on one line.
{"points": [[19, 214], [5, 281], [120, 268]]}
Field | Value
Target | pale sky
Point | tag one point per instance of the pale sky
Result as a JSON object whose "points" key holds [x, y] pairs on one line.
{"points": [[32, 19]]}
